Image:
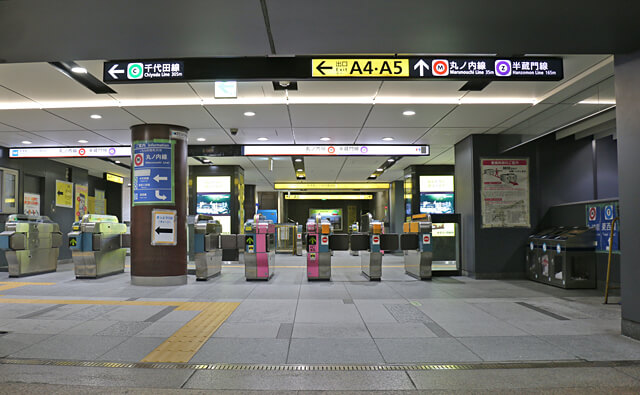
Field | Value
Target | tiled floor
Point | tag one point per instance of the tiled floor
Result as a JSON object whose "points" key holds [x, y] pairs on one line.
{"points": [[349, 320]]}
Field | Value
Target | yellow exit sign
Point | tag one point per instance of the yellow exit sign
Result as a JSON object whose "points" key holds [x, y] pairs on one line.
{"points": [[355, 68], [113, 178]]}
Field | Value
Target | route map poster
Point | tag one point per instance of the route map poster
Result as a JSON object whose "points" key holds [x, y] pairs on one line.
{"points": [[505, 193]]}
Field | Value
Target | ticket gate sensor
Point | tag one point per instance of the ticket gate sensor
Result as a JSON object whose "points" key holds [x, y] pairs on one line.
{"points": [[259, 248], [318, 253], [97, 246], [299, 240], [417, 247], [207, 249], [31, 244]]}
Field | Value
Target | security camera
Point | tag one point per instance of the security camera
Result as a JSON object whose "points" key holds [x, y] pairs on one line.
{"points": [[233, 131]]}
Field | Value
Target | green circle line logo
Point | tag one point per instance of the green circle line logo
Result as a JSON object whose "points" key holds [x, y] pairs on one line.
{"points": [[134, 71]]}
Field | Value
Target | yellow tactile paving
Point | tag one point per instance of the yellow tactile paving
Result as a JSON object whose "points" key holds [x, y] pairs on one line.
{"points": [[184, 344], [5, 285]]}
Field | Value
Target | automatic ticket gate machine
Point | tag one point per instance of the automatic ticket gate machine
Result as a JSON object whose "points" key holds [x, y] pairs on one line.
{"points": [[417, 246], [259, 248], [298, 240], [354, 228], [96, 245], [318, 252], [206, 245], [31, 244], [376, 241]]}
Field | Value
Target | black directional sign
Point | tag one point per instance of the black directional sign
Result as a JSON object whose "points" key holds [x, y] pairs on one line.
{"points": [[322, 67], [72, 242], [163, 230], [249, 241]]}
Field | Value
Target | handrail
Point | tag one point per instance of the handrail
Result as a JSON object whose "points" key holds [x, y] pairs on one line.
{"points": [[606, 289]]}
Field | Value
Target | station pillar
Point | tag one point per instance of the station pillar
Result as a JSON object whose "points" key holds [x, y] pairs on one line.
{"points": [[159, 174]]}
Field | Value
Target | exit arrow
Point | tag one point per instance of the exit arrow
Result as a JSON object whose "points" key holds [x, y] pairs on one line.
{"points": [[159, 196], [158, 178], [114, 71], [320, 68], [422, 65], [163, 230], [249, 240], [60, 193]]}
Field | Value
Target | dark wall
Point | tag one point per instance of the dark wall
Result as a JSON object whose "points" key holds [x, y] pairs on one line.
{"points": [[249, 201], [607, 168]]}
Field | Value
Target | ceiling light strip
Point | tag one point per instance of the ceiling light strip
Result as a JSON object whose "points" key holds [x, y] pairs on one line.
{"points": [[332, 186], [328, 197]]}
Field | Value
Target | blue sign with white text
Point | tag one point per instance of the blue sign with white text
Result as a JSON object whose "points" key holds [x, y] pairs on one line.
{"points": [[599, 217], [153, 172]]}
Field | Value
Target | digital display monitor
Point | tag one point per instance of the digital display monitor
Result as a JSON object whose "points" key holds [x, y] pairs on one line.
{"points": [[213, 203], [436, 203], [333, 215], [436, 184]]}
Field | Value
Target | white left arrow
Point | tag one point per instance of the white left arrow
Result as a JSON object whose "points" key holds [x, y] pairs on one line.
{"points": [[114, 71], [158, 178], [159, 196], [422, 65]]}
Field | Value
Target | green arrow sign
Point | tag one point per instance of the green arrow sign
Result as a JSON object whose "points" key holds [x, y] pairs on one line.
{"points": [[249, 240]]}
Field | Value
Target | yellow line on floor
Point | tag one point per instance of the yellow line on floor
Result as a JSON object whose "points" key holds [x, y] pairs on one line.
{"points": [[91, 302], [186, 342], [15, 284]]}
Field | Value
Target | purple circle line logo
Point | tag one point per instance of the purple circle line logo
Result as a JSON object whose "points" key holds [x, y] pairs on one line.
{"points": [[364, 150]]}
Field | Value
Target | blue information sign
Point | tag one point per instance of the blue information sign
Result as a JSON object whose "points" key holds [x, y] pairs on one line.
{"points": [[599, 217], [153, 172]]}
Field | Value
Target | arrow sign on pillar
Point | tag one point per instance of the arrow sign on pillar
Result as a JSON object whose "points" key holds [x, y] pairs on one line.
{"points": [[157, 178], [321, 68], [114, 71], [163, 230], [60, 193], [159, 196], [422, 65]]}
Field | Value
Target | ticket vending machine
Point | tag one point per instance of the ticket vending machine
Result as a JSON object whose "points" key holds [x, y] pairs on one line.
{"points": [[318, 252], [259, 248], [208, 254], [31, 244], [96, 246], [417, 246]]}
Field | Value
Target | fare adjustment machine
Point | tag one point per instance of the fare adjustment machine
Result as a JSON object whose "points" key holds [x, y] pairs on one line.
{"points": [[418, 250], [259, 248], [96, 245], [318, 252], [207, 249], [31, 244]]}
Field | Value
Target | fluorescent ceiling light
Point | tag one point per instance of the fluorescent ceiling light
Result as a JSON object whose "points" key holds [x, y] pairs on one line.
{"points": [[26, 142], [298, 169], [79, 70], [83, 141], [329, 186], [249, 114], [117, 162], [298, 160], [325, 139], [206, 161], [262, 139], [391, 160], [387, 139], [201, 139], [328, 197], [408, 113], [96, 116], [603, 102], [379, 169]]}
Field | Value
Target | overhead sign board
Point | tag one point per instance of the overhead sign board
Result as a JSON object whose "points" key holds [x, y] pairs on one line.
{"points": [[70, 152], [163, 227], [345, 67], [225, 90], [153, 172], [335, 150], [113, 178]]}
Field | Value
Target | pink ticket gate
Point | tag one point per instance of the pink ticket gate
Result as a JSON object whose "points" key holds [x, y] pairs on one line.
{"points": [[259, 248]]}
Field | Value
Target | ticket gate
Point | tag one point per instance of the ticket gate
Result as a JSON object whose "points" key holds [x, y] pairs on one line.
{"points": [[31, 244], [259, 248], [371, 243], [206, 245], [299, 240], [417, 247], [97, 246], [355, 228], [318, 253]]}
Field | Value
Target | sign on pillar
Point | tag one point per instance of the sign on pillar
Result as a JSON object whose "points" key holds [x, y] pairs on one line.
{"points": [[163, 227], [153, 172]]}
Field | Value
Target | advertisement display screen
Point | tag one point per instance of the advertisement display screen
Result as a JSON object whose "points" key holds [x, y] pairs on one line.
{"points": [[436, 203], [213, 203], [333, 215]]}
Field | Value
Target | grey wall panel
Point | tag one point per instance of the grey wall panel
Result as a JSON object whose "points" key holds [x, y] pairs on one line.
{"points": [[464, 201], [607, 168]]}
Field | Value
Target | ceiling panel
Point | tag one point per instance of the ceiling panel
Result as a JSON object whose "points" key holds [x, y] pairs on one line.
{"points": [[120, 136], [367, 162], [323, 169], [112, 117], [448, 136], [278, 162], [232, 116], [8, 96], [445, 158], [390, 115], [71, 137], [354, 174], [477, 115], [557, 116], [362, 89], [246, 90], [156, 91], [399, 135], [328, 115], [337, 135], [392, 175], [192, 117], [96, 167], [15, 139], [211, 136], [412, 89], [7, 128], [35, 120], [275, 136], [526, 114]]}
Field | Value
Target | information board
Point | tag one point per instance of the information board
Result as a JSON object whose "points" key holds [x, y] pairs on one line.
{"points": [[153, 172], [505, 193], [163, 227], [64, 194], [599, 217], [31, 203], [82, 201]]}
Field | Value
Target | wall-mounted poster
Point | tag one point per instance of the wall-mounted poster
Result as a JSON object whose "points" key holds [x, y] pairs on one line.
{"points": [[31, 203], [64, 194], [82, 201], [505, 193]]}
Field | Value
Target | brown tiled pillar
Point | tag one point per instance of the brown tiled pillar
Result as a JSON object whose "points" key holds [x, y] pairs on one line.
{"points": [[159, 187]]}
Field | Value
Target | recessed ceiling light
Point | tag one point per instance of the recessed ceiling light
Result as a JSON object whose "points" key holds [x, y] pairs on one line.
{"points": [[249, 113], [391, 160], [298, 169], [117, 162], [325, 139], [96, 116], [379, 169], [408, 113], [79, 70], [298, 160], [206, 161], [387, 139], [262, 139], [83, 141], [201, 139], [26, 142]]}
